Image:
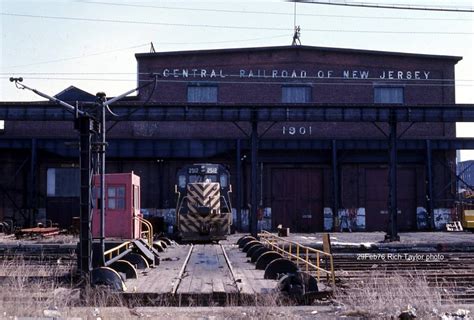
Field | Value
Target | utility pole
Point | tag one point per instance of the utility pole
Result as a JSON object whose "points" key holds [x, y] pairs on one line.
{"points": [[90, 127]]}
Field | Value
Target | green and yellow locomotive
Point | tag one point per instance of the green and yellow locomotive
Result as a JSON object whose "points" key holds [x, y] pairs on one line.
{"points": [[203, 208]]}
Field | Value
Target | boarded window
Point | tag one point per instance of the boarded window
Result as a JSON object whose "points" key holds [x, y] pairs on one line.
{"points": [[63, 182], [296, 94], [116, 197], [202, 93], [389, 95]]}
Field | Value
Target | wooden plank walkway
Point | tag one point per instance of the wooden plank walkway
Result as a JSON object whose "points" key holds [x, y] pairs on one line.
{"points": [[249, 279], [207, 272], [161, 279]]}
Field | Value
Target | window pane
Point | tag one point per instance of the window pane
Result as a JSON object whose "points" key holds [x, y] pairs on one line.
{"points": [[111, 203], [296, 94], [223, 181], [120, 203], [388, 95], [182, 181], [136, 197], [121, 192], [111, 192], [202, 94]]}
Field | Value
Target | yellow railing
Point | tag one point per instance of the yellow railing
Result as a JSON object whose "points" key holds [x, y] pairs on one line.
{"points": [[148, 233], [115, 251], [310, 258]]}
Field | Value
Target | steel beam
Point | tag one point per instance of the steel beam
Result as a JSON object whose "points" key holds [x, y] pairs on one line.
{"points": [[44, 111], [203, 148], [85, 126]]}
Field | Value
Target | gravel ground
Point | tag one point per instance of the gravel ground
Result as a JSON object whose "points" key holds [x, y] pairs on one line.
{"points": [[375, 240]]}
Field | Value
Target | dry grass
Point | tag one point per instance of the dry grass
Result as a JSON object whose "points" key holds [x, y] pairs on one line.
{"points": [[380, 297], [32, 289]]}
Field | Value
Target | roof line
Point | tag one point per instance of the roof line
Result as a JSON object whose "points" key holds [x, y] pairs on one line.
{"points": [[302, 47]]}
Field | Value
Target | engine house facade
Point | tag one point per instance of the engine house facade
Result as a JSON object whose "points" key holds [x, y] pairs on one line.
{"points": [[298, 161]]}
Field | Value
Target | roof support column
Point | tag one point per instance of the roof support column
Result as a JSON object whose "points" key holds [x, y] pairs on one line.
{"points": [[238, 182], [253, 176], [335, 185], [429, 185], [392, 233], [32, 184]]}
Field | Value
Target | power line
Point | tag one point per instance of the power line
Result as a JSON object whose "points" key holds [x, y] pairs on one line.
{"points": [[389, 6], [138, 46], [76, 57], [346, 82], [8, 74], [268, 12], [228, 26]]}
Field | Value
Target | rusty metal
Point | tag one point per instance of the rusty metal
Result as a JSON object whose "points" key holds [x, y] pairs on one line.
{"points": [[38, 231]]}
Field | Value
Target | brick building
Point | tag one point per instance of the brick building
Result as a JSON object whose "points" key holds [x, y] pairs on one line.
{"points": [[296, 170]]}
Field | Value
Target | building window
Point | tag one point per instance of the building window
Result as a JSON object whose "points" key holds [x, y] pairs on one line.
{"points": [[295, 94], [202, 93], [2, 126], [63, 182], [389, 95], [116, 197]]}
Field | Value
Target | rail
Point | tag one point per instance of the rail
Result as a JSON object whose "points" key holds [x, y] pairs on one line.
{"points": [[115, 251], [311, 265], [148, 233]]}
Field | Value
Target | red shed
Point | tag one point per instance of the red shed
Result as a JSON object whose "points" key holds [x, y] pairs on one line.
{"points": [[122, 203]]}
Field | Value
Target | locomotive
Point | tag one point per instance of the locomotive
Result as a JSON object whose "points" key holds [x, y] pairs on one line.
{"points": [[203, 207]]}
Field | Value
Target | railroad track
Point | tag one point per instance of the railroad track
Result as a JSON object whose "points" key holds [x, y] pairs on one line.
{"points": [[452, 274], [206, 272]]}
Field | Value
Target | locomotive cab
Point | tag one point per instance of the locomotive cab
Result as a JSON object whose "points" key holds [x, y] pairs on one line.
{"points": [[203, 209]]}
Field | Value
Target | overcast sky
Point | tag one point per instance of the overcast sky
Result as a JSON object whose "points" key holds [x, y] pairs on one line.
{"points": [[54, 44]]}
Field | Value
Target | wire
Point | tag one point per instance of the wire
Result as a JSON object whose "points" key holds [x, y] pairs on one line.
{"points": [[346, 82], [137, 108], [389, 6], [76, 57], [228, 26], [197, 78], [267, 12], [138, 46]]}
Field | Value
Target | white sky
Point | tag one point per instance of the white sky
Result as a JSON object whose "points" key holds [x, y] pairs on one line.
{"points": [[40, 49]]}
